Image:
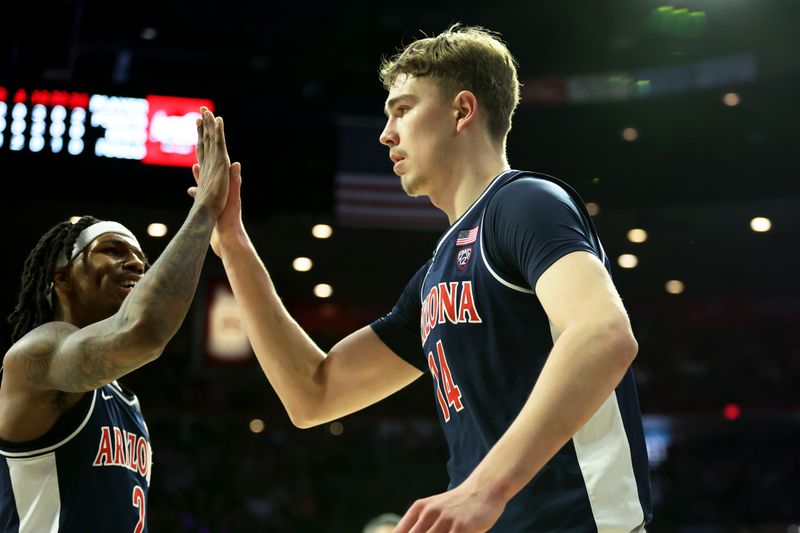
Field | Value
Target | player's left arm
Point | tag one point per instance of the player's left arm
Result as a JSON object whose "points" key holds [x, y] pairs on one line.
{"points": [[594, 350]]}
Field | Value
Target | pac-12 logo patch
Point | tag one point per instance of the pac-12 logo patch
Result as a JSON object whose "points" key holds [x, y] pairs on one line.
{"points": [[463, 258]]}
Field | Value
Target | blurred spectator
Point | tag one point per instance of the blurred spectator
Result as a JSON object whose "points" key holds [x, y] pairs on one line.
{"points": [[383, 523]]}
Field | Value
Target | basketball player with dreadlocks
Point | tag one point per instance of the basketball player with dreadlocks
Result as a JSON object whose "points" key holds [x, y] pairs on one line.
{"points": [[75, 452]]}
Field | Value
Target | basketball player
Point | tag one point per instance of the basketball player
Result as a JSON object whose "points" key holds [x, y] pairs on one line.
{"points": [[514, 317], [75, 453]]}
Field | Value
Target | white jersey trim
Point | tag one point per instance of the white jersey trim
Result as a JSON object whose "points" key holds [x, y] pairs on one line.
{"points": [[118, 391], [463, 216], [604, 456], [494, 274], [30, 453], [455, 224], [34, 484]]}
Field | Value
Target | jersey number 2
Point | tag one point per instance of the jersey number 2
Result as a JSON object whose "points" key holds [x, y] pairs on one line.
{"points": [[138, 502], [444, 380]]}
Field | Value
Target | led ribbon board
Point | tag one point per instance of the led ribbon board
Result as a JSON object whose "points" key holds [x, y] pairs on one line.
{"points": [[156, 130]]}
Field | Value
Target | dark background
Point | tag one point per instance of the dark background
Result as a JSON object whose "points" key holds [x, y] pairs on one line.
{"points": [[282, 73]]}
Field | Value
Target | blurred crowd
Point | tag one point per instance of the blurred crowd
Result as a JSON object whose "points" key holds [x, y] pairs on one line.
{"points": [[700, 355]]}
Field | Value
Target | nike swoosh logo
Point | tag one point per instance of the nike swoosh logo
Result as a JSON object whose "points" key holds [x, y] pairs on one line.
{"points": [[103, 394]]}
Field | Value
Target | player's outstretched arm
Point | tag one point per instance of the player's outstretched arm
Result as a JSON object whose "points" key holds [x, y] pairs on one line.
{"points": [[314, 387], [60, 356]]}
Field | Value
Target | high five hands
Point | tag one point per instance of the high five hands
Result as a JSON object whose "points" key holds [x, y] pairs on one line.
{"points": [[213, 161]]}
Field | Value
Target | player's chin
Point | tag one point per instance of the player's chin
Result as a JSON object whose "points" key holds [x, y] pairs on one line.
{"points": [[411, 186], [119, 295]]}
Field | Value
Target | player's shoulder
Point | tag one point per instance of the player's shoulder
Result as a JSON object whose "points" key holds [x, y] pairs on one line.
{"points": [[39, 344], [526, 194], [532, 186], [415, 282], [47, 335]]}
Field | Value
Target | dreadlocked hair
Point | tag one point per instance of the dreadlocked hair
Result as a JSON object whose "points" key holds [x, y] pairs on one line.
{"points": [[33, 308]]}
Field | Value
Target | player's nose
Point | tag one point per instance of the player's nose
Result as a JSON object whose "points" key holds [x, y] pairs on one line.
{"points": [[388, 136]]}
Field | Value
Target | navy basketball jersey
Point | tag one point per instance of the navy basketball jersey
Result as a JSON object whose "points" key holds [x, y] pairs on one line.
{"points": [[89, 473], [471, 319]]}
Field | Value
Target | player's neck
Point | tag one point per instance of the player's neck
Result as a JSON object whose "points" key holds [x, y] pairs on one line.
{"points": [[468, 180]]}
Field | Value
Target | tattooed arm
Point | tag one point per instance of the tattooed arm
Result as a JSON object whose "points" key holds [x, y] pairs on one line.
{"points": [[62, 357], [149, 317]]}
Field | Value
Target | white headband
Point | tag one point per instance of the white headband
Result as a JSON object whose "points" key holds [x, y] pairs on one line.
{"points": [[92, 232]]}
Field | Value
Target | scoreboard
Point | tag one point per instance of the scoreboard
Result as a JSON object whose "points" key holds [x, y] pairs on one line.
{"points": [[153, 130]]}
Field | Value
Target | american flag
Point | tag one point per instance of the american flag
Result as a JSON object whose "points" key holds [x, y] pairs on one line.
{"points": [[467, 236], [368, 193]]}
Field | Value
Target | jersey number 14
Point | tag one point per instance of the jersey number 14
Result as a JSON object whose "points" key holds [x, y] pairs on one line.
{"points": [[444, 381]]}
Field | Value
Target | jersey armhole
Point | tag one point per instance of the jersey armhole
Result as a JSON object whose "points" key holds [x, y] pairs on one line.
{"points": [[61, 433], [493, 271]]}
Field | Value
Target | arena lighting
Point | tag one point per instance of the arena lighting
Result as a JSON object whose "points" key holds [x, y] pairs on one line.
{"points": [[256, 425], [155, 130], [302, 264], [678, 21], [731, 99], [336, 428], [321, 231], [760, 224], [731, 411], [157, 229], [658, 436], [630, 134], [674, 286], [592, 208], [323, 290], [627, 261], [637, 235]]}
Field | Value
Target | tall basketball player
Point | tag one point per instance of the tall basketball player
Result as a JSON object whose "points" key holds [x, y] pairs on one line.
{"points": [[515, 317], [75, 453]]}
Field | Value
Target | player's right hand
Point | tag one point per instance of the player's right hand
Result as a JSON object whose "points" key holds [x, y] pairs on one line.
{"points": [[213, 162]]}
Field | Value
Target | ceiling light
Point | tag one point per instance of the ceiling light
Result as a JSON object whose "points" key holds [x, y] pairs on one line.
{"points": [[323, 290], [674, 286], [627, 261], [731, 99], [761, 224], [322, 231], [302, 264], [637, 235], [157, 229]]}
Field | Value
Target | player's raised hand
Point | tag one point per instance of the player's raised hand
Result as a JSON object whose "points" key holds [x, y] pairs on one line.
{"points": [[213, 163]]}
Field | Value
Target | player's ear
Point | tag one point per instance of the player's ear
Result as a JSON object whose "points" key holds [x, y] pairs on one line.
{"points": [[62, 279], [465, 108]]}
